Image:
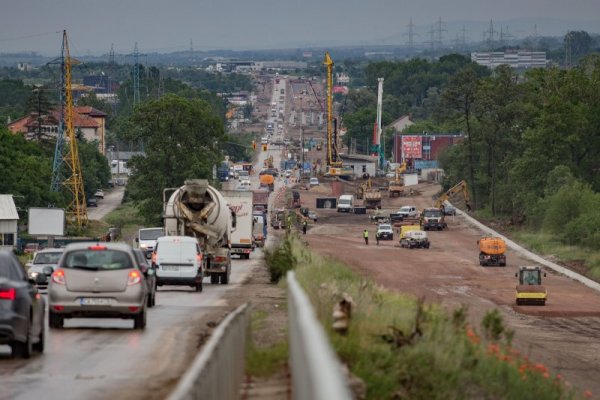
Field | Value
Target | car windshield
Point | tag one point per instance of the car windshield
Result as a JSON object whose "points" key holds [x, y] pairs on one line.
{"points": [[432, 213], [151, 234], [405, 209], [176, 249], [101, 259], [47, 258], [385, 227]]}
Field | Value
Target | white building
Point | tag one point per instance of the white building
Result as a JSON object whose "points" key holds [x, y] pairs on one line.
{"points": [[9, 219], [361, 164], [520, 59]]}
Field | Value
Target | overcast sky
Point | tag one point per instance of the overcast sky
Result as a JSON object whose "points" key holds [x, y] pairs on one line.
{"points": [[165, 26]]}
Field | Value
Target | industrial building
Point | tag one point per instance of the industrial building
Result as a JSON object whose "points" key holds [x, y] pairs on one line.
{"points": [[520, 59], [423, 149]]}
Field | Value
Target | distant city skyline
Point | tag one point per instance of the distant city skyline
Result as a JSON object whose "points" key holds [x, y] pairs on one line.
{"points": [[161, 26]]}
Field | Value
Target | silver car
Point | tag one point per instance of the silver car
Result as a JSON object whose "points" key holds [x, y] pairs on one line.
{"points": [[42, 265], [97, 280]]}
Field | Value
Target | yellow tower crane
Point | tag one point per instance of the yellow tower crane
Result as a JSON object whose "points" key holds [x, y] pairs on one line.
{"points": [[77, 208]]}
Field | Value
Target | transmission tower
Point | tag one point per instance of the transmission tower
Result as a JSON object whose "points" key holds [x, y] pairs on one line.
{"points": [[438, 31], [535, 37], [136, 75], [489, 36], [411, 35], [77, 209]]}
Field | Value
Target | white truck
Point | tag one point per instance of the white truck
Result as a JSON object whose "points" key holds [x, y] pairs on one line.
{"points": [[345, 203], [199, 210], [241, 239], [146, 239]]}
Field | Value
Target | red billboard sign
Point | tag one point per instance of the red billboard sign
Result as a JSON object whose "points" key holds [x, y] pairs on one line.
{"points": [[412, 147]]}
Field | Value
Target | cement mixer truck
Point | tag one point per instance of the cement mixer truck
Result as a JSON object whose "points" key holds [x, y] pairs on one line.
{"points": [[491, 251], [199, 210]]}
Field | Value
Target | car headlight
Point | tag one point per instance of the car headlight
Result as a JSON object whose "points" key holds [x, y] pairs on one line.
{"points": [[143, 246], [33, 274]]}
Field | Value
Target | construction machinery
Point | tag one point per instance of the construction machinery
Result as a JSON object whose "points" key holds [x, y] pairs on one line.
{"points": [[411, 236], [433, 218], [529, 289], [396, 187], [491, 251], [371, 196], [460, 187]]}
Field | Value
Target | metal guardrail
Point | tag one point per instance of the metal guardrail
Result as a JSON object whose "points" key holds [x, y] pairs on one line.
{"points": [[217, 372], [316, 372]]}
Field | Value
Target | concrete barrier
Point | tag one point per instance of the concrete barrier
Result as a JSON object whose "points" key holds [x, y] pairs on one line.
{"points": [[217, 372], [529, 255], [316, 371]]}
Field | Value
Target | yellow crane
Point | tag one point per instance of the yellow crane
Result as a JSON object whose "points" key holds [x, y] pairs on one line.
{"points": [[77, 208], [334, 165]]}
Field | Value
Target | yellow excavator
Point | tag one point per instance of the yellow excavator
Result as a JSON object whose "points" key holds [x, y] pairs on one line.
{"points": [[460, 187], [396, 186]]}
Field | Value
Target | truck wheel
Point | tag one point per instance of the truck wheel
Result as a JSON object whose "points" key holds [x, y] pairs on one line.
{"points": [[224, 278], [214, 279], [427, 245], [198, 287]]}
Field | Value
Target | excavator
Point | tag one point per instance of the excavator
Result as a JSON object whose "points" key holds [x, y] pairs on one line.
{"points": [[460, 187], [529, 290]]}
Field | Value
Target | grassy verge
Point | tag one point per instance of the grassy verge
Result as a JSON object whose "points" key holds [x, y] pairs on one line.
{"points": [[126, 217], [264, 361], [403, 349], [583, 260]]}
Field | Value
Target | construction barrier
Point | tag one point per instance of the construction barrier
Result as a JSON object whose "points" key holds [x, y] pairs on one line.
{"points": [[217, 372], [316, 371]]}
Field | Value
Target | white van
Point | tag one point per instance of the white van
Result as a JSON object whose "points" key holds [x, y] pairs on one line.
{"points": [[345, 203], [178, 261], [146, 239]]}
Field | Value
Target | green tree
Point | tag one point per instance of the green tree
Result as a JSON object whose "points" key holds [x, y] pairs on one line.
{"points": [[578, 43], [182, 141]]}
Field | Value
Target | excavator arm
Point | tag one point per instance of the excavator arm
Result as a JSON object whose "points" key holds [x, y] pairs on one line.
{"points": [[460, 187]]}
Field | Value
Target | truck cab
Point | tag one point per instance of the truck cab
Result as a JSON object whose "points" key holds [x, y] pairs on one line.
{"points": [[433, 218], [345, 203]]}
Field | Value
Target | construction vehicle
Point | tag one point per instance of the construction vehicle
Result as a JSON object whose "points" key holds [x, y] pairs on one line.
{"points": [[460, 187], [371, 196], [529, 290], [267, 181], [433, 218], [260, 200], [396, 187], [199, 210], [278, 219], [491, 251], [411, 236]]}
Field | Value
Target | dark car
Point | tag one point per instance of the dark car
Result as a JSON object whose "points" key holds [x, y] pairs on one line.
{"points": [[92, 202], [149, 273], [22, 309]]}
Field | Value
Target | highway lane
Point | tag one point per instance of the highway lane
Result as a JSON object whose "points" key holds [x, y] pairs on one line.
{"points": [[93, 357]]}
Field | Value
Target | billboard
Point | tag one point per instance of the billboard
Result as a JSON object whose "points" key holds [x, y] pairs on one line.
{"points": [[46, 221], [412, 147]]}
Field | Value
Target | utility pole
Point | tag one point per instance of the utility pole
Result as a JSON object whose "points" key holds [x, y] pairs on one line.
{"points": [[379, 110], [136, 75]]}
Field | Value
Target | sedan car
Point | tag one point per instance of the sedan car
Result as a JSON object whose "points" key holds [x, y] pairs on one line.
{"points": [[385, 232], [149, 273], [42, 266], [97, 280], [22, 309]]}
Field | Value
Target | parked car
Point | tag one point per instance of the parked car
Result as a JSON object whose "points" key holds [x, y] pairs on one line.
{"points": [[99, 193], [97, 280], [178, 261], [385, 232], [42, 266], [31, 248], [408, 212], [313, 215], [22, 309], [313, 182], [149, 274], [449, 209], [92, 202]]}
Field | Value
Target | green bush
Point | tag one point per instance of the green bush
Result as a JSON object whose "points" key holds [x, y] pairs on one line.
{"points": [[281, 260]]}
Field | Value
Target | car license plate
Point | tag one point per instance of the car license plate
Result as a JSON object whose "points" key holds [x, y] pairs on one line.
{"points": [[95, 301], [170, 268]]}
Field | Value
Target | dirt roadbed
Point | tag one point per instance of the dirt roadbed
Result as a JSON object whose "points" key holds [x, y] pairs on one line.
{"points": [[564, 334]]}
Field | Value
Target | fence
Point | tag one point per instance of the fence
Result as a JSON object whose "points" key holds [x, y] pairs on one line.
{"points": [[316, 372], [218, 370]]}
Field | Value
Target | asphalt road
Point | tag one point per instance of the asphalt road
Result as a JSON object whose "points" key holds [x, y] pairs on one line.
{"points": [[92, 358], [112, 199]]}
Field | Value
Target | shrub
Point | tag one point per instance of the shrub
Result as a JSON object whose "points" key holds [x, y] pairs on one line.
{"points": [[280, 260]]}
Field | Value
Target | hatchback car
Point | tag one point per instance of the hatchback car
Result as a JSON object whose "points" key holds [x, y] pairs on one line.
{"points": [[22, 309], [178, 261], [385, 232], [149, 273], [97, 280], [92, 202], [42, 266]]}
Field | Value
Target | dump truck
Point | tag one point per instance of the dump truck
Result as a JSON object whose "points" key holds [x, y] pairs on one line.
{"points": [[199, 210], [529, 289], [411, 236], [267, 181], [433, 218], [278, 219], [260, 200], [372, 198], [491, 251]]}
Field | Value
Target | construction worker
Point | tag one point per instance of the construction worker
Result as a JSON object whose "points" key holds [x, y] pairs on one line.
{"points": [[366, 236], [377, 238], [304, 226]]}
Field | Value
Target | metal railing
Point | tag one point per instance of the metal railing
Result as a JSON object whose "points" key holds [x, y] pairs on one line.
{"points": [[315, 369], [217, 372]]}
